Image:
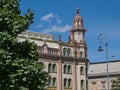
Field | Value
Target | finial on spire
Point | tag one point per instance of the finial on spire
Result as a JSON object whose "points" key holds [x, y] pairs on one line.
{"points": [[59, 38], [77, 10]]}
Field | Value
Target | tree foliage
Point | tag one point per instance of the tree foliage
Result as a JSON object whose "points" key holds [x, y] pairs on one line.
{"points": [[116, 84], [19, 66]]}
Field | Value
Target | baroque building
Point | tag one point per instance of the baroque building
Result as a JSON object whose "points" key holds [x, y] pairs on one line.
{"points": [[66, 62]]}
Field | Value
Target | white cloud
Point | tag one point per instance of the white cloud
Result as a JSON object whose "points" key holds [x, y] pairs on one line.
{"points": [[51, 17], [39, 26], [47, 17], [54, 22], [58, 19], [55, 28]]}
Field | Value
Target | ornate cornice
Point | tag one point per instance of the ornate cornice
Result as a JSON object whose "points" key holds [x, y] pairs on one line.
{"points": [[63, 58]]}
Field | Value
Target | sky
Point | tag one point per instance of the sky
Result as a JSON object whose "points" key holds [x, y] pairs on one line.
{"points": [[99, 16]]}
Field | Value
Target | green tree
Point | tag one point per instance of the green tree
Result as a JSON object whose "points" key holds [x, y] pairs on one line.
{"points": [[19, 66], [116, 84]]}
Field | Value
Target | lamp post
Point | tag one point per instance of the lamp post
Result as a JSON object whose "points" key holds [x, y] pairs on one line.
{"points": [[101, 37]]}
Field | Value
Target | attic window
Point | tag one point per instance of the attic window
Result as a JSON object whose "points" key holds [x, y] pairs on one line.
{"points": [[77, 23]]}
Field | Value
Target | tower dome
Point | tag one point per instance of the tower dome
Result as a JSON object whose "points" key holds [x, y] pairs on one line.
{"points": [[77, 21]]}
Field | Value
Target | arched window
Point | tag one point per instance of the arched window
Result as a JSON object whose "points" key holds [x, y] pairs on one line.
{"points": [[81, 70], [69, 83], [65, 68], [82, 84], [65, 82], [64, 51], [49, 82], [49, 67], [69, 69], [69, 52], [54, 69], [54, 82], [81, 54]]}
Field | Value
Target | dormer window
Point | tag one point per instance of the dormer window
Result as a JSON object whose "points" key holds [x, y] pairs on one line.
{"points": [[45, 49]]}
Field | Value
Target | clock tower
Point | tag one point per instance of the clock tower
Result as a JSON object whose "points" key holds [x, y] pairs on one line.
{"points": [[77, 34]]}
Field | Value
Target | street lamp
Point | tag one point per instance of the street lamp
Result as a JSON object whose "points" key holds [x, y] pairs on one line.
{"points": [[100, 38]]}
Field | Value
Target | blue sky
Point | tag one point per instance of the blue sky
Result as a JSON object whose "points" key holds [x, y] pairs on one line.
{"points": [[100, 16]]}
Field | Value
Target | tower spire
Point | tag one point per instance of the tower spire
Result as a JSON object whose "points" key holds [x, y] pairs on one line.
{"points": [[78, 21]]}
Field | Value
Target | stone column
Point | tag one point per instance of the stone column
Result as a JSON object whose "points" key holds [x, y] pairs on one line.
{"points": [[59, 70], [74, 76]]}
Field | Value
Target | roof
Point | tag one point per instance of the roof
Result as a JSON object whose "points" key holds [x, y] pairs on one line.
{"points": [[37, 35], [41, 43], [99, 68]]}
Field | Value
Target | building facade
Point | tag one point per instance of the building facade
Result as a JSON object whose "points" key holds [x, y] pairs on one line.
{"points": [[97, 75], [66, 62]]}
